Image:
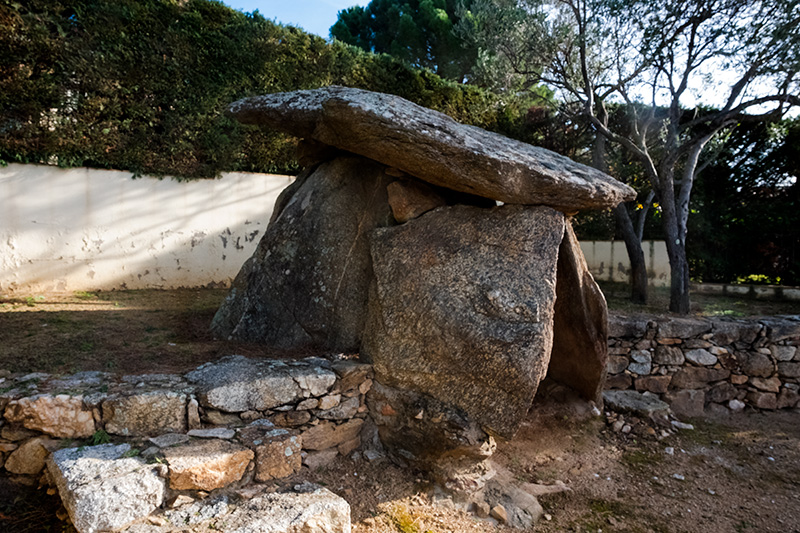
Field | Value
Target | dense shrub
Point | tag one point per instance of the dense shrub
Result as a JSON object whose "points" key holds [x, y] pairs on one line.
{"points": [[142, 85]]}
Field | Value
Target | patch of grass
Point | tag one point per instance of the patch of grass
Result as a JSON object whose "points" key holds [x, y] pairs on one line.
{"points": [[641, 459], [403, 520], [100, 437], [707, 433], [83, 295]]}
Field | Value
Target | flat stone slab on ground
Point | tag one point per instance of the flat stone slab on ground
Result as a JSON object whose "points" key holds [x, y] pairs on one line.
{"points": [[635, 402], [432, 146]]}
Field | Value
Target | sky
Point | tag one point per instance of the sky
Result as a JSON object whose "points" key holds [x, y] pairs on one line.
{"points": [[314, 16]]}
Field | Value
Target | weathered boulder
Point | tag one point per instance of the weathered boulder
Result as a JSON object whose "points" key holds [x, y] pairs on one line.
{"points": [[431, 146], [580, 324], [62, 416], [307, 284], [236, 384], [29, 458], [277, 451], [102, 489], [145, 414], [206, 465], [327, 434], [462, 308]]}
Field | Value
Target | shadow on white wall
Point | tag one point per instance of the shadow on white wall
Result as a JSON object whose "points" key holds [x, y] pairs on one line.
{"points": [[87, 229]]}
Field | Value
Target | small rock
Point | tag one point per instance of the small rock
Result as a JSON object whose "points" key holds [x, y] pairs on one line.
{"points": [[320, 459], [481, 509], [736, 405], [180, 500], [681, 425], [305, 405], [61, 416], [30, 457], [193, 414], [679, 477], [701, 357], [277, 452], [328, 435], [169, 439], [218, 418], [329, 402], [212, 433], [499, 513]]}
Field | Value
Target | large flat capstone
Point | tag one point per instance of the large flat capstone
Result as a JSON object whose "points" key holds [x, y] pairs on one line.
{"points": [[462, 308], [433, 147]]}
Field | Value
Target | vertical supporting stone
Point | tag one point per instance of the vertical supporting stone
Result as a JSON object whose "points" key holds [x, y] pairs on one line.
{"points": [[580, 326]]}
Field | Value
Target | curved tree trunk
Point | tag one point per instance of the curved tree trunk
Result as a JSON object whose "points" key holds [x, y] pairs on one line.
{"points": [[635, 254], [676, 250], [633, 241]]}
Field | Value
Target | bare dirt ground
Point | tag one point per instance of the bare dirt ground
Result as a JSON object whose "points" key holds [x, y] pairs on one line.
{"points": [[735, 474]]}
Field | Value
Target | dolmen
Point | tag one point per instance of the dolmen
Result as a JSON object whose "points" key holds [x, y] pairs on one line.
{"points": [[442, 254]]}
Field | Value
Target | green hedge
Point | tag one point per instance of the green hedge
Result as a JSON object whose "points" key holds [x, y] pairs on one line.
{"points": [[142, 85]]}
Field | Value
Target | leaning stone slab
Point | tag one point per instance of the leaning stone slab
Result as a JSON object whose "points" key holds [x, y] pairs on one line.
{"points": [[311, 510], [317, 247], [102, 489], [206, 465], [462, 308], [580, 324], [145, 414], [61, 416], [236, 384], [431, 146]]}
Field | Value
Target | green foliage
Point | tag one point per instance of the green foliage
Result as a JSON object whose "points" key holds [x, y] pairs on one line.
{"points": [[419, 32], [100, 437], [745, 225], [143, 85]]}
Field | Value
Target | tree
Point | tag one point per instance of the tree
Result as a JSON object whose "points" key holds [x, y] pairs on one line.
{"points": [[746, 222], [659, 58], [417, 31]]}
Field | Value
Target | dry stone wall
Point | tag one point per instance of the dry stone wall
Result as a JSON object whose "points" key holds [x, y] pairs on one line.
{"points": [[217, 429], [703, 366]]}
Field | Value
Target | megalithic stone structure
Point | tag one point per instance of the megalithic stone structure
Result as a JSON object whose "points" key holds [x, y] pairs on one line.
{"points": [[440, 252]]}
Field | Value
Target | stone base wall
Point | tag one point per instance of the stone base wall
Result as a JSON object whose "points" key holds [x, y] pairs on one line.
{"points": [[702, 366], [262, 408]]}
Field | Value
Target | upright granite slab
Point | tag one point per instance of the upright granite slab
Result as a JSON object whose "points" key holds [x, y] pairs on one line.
{"points": [[432, 146], [580, 326], [462, 308], [315, 247]]}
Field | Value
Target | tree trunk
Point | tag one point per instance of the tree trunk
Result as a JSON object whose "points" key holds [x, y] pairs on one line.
{"points": [[676, 250], [633, 243], [635, 254]]}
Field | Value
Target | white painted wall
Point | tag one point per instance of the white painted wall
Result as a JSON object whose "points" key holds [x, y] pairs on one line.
{"points": [[86, 229], [608, 261]]}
